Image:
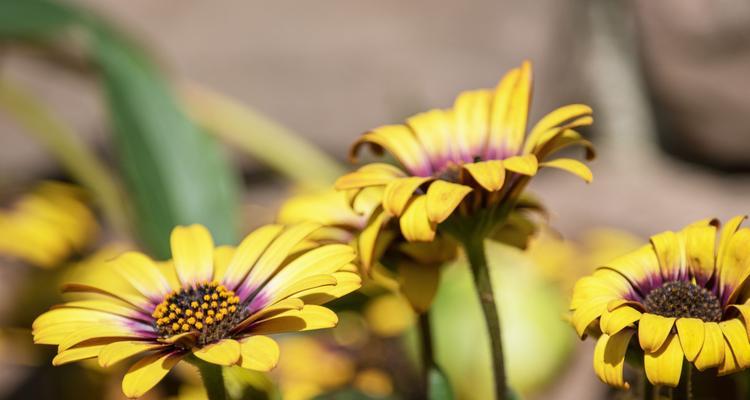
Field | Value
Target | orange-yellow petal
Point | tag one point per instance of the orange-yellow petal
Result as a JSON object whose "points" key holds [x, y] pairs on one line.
{"points": [[443, 198], [653, 331], [147, 372], [224, 352], [259, 353], [664, 366]]}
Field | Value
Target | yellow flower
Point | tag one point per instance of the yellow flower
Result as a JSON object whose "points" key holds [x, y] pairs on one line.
{"points": [[46, 226], [472, 157], [682, 294], [214, 304]]}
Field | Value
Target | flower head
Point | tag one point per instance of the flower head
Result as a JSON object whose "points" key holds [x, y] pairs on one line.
{"points": [[683, 294], [47, 226], [210, 303], [472, 157]]}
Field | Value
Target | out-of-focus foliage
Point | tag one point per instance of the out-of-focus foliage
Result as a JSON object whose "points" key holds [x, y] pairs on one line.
{"points": [[175, 173]]}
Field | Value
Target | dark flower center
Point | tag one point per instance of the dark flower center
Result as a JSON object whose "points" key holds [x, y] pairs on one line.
{"points": [[209, 309], [684, 300]]}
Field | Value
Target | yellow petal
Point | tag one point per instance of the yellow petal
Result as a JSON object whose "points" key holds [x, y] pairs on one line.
{"points": [[415, 225], [489, 174], [141, 272], [224, 352], [259, 353], [524, 165], [553, 119], [664, 366], [734, 270], [192, 252], [609, 357], [147, 372], [442, 198], [433, 130], [324, 260], [308, 318], [618, 319], [653, 331], [692, 334], [368, 239], [95, 331], [471, 118], [222, 257], [712, 352], [401, 143], [669, 251], [575, 167], [374, 174], [730, 364], [79, 353], [398, 193], [700, 243], [510, 110], [726, 233], [736, 335], [640, 267], [419, 283], [121, 350], [248, 252]]}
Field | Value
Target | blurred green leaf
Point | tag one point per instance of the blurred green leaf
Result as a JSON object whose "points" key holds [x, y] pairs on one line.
{"points": [[175, 173], [440, 387]]}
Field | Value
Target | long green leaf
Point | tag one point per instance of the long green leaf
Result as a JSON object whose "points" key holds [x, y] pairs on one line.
{"points": [[175, 173]]}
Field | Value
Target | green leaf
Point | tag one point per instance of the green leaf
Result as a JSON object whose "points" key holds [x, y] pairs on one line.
{"points": [[175, 173], [439, 386]]}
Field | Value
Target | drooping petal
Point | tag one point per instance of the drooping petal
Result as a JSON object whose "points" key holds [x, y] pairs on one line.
{"points": [[400, 141], [524, 165], [224, 352], [712, 352], [553, 119], [398, 193], [609, 357], [259, 353], [443, 198], [489, 174], [620, 318], [653, 331], [692, 333], [575, 167], [115, 352], [736, 335], [735, 265], [147, 372], [664, 366], [592, 294], [368, 239], [730, 364], [415, 224], [192, 252]]}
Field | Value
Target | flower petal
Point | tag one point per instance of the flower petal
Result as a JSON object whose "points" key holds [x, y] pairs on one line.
{"points": [[640, 268], [575, 167], [415, 225], [609, 357], [308, 318], [524, 165], [398, 193], [700, 243], [670, 252], [510, 111], [142, 273], [147, 372], [471, 117], [552, 120], [400, 141], [653, 331], [368, 239], [192, 252], [433, 130], [712, 352], [692, 334], [614, 321], [259, 353], [489, 174], [736, 335], [375, 174], [248, 252], [419, 283], [664, 366], [115, 352], [735, 267], [442, 198], [224, 352]]}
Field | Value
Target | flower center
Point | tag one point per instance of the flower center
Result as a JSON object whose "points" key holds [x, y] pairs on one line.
{"points": [[209, 309], [684, 300]]}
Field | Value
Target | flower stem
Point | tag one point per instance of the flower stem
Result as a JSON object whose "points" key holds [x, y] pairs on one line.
{"points": [[213, 379], [475, 252], [428, 355]]}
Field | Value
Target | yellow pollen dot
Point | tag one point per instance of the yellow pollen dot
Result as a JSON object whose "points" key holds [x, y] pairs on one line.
{"points": [[194, 304], [219, 317], [188, 312], [181, 320], [209, 320], [214, 304], [214, 296], [204, 306], [199, 325], [185, 327], [211, 312], [172, 315], [175, 326], [232, 308], [224, 304], [206, 297], [191, 321], [199, 314]]}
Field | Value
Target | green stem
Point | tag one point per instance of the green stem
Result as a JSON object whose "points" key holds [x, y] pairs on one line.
{"points": [[69, 149], [428, 355], [475, 252], [213, 379]]}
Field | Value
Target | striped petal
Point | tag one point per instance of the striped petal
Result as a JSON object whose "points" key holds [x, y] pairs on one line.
{"points": [[488, 174], [192, 252], [433, 130], [147, 372], [471, 118], [712, 352], [640, 267], [442, 198], [224, 352], [398, 193], [609, 357], [692, 333], [399, 141], [415, 224], [575, 167], [669, 251], [509, 110], [664, 366], [653, 331], [259, 353]]}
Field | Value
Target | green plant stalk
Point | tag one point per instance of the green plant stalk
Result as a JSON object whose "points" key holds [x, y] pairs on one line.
{"points": [[260, 137], [428, 353], [213, 379], [69, 150], [475, 252]]}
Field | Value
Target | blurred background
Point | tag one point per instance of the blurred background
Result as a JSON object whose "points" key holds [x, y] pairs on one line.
{"points": [[668, 82]]}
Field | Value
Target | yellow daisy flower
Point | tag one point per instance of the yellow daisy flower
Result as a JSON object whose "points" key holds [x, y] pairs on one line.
{"points": [[682, 294], [472, 157], [47, 226], [207, 303]]}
